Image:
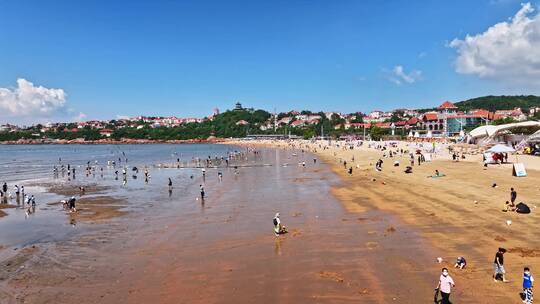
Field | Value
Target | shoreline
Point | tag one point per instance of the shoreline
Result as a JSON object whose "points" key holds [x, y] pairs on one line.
{"points": [[371, 236], [225, 251], [111, 142]]}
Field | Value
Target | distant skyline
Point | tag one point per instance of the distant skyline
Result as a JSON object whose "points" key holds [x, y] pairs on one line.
{"points": [[68, 60]]}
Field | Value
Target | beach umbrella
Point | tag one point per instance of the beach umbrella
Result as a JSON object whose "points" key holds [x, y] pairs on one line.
{"points": [[410, 134], [500, 148], [417, 134]]}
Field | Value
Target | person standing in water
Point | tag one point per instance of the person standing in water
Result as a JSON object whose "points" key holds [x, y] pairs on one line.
{"points": [[201, 188], [278, 228], [170, 185], [17, 193]]}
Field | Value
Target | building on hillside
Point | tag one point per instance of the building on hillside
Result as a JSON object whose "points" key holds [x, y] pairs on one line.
{"points": [[284, 121], [329, 115], [242, 123], [238, 107], [106, 132], [375, 114], [516, 114], [298, 123]]}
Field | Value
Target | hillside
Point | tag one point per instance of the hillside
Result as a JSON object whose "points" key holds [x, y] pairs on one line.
{"points": [[493, 103]]}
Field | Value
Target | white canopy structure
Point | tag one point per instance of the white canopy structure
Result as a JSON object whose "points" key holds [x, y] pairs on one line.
{"points": [[486, 134], [500, 148], [534, 138]]}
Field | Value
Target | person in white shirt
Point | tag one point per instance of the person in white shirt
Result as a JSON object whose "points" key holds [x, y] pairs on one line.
{"points": [[278, 228], [445, 285]]}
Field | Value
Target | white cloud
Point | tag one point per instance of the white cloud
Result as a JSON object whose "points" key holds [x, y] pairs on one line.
{"points": [[508, 51], [399, 76], [27, 100]]}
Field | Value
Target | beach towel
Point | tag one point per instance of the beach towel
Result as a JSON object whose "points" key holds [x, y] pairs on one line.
{"points": [[437, 176]]}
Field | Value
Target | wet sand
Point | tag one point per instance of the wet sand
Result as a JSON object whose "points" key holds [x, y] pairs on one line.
{"points": [[223, 251], [457, 215]]}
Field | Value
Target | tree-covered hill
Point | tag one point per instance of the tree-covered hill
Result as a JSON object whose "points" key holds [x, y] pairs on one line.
{"points": [[493, 103]]}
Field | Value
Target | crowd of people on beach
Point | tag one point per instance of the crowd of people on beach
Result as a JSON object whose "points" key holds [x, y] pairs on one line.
{"points": [[417, 156], [24, 200]]}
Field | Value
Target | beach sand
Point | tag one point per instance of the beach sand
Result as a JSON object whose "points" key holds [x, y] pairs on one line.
{"points": [[459, 214]]}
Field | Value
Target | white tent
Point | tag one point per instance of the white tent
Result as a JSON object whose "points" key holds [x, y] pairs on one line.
{"points": [[490, 130], [500, 148]]}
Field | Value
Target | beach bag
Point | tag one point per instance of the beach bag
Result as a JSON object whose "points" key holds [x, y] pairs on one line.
{"points": [[522, 208], [275, 222]]}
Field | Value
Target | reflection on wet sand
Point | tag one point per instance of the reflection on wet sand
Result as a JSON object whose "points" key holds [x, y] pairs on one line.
{"points": [[210, 239]]}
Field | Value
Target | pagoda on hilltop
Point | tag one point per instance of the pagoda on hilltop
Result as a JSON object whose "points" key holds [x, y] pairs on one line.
{"points": [[238, 106]]}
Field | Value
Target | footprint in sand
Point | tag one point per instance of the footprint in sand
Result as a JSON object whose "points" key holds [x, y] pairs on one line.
{"points": [[372, 245], [331, 275]]}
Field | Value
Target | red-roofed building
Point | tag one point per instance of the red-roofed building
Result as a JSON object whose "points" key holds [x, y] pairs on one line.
{"points": [[432, 121], [413, 122], [242, 123], [447, 106], [106, 132], [297, 123]]}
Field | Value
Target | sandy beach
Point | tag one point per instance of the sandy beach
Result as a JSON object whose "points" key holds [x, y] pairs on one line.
{"points": [[370, 237], [459, 214]]}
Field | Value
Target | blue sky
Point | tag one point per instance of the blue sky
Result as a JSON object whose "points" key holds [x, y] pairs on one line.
{"points": [[186, 57]]}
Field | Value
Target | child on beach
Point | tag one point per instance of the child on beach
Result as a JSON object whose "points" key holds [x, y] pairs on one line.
{"points": [[527, 286], [278, 228], [460, 263], [498, 265], [513, 195]]}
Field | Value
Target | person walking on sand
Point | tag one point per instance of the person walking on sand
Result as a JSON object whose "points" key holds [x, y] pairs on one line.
{"points": [[444, 287], [498, 265], [527, 286]]}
